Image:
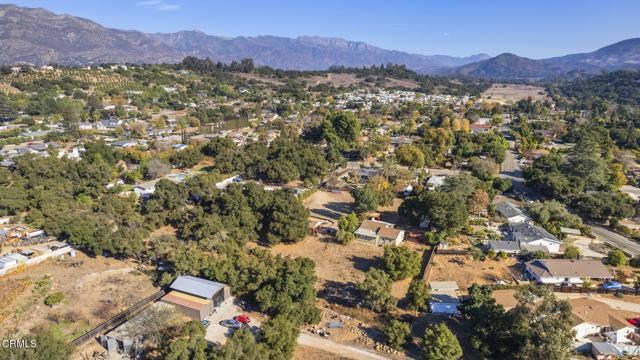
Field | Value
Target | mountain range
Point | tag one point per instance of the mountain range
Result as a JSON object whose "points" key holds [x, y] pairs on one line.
{"points": [[38, 36], [621, 55]]}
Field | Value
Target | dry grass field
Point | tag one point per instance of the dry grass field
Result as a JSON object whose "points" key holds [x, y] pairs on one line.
{"points": [[466, 271], [94, 290], [511, 93]]}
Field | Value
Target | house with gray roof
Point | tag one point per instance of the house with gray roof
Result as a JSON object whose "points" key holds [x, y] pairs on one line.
{"points": [[525, 237], [511, 212]]}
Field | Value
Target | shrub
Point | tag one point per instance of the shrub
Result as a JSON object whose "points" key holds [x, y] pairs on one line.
{"points": [[53, 299], [571, 252], [616, 258]]}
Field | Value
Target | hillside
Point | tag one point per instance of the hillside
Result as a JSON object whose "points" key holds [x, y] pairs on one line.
{"points": [[621, 55], [40, 37], [622, 87]]}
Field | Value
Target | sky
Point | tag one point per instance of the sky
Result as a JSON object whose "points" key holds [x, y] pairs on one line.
{"points": [[534, 28]]}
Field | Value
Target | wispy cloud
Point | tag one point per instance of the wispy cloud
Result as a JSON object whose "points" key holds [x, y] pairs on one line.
{"points": [[158, 5]]}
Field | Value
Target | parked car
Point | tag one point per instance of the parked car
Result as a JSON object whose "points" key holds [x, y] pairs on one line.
{"points": [[612, 285], [242, 318], [234, 324], [206, 323]]}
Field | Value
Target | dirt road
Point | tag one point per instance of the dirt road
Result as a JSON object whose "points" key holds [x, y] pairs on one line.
{"points": [[350, 352]]}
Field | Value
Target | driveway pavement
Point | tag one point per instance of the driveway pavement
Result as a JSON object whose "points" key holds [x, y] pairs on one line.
{"points": [[217, 333]]}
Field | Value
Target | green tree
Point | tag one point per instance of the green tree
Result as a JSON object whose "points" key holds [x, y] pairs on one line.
{"points": [[376, 290], [445, 211], [400, 262], [397, 333], [242, 346], [418, 295], [410, 155], [342, 128], [279, 335], [347, 224], [190, 345], [616, 258], [286, 220], [439, 343], [546, 325]]}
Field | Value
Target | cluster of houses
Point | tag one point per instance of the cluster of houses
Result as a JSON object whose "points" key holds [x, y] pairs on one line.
{"points": [[366, 98], [523, 236], [33, 254], [39, 148]]}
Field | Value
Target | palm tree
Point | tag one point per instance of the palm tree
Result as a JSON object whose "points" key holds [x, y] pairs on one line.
{"points": [[389, 167]]}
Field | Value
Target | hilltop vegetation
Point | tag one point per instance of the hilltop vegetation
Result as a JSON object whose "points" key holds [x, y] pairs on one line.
{"points": [[621, 87]]}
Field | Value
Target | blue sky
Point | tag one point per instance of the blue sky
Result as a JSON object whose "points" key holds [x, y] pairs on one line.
{"points": [[534, 29]]}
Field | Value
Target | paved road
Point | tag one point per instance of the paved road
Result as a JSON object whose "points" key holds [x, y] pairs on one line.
{"points": [[511, 170], [625, 244], [350, 352]]}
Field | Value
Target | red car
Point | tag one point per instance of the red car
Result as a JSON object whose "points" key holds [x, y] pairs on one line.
{"points": [[243, 319]]}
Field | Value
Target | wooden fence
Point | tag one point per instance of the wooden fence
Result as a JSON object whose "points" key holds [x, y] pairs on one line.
{"points": [[427, 259], [118, 319]]}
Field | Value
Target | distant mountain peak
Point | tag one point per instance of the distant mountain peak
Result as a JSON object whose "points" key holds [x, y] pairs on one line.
{"points": [[621, 55], [38, 36]]}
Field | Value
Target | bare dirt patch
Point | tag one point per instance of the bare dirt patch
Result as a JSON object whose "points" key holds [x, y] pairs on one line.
{"points": [[264, 79], [309, 353], [466, 271], [329, 205], [334, 262], [511, 93], [94, 289]]}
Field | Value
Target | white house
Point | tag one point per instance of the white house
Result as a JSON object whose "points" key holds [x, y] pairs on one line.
{"points": [[511, 212], [558, 271], [146, 188], [379, 232], [525, 237], [591, 317], [533, 235]]}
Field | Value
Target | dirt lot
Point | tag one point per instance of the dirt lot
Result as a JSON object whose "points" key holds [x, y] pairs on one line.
{"points": [[511, 93], [309, 353], [466, 271], [94, 290], [334, 262], [329, 205]]}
